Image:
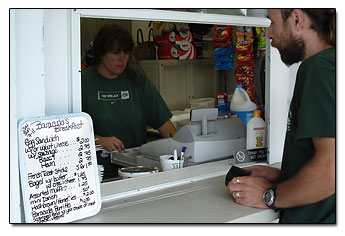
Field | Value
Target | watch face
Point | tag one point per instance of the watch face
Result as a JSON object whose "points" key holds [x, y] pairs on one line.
{"points": [[267, 196]]}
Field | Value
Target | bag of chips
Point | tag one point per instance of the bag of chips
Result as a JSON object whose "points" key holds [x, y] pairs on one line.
{"points": [[222, 33], [245, 69]]}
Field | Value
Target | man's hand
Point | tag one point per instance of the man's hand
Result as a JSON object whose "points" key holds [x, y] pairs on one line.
{"points": [[269, 173], [248, 190]]}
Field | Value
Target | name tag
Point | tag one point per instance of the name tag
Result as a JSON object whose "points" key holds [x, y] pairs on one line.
{"points": [[113, 96]]}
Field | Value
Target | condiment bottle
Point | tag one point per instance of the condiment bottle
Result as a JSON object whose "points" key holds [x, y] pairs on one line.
{"points": [[256, 130]]}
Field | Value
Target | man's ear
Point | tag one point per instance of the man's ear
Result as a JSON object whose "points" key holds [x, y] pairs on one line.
{"points": [[298, 19]]}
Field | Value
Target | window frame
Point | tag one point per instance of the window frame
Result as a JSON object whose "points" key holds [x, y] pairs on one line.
{"points": [[145, 15]]}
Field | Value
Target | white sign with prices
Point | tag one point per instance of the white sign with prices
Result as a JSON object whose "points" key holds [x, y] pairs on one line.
{"points": [[58, 168]]}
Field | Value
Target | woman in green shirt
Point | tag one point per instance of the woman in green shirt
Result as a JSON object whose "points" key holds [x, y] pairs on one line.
{"points": [[118, 96]]}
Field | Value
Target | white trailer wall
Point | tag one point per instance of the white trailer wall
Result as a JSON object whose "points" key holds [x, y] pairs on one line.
{"points": [[39, 77]]}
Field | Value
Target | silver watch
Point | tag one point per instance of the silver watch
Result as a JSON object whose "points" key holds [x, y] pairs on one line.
{"points": [[269, 197]]}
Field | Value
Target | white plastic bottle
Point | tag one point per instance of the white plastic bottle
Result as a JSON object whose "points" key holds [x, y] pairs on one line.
{"points": [[256, 130], [241, 104]]}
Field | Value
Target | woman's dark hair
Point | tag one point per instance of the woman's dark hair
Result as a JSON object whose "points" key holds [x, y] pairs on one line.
{"points": [[110, 36], [323, 21]]}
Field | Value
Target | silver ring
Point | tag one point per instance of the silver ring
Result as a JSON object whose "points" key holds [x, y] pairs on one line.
{"points": [[237, 180], [237, 195]]}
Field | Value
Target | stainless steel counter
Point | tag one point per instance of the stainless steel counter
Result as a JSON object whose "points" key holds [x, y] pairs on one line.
{"points": [[190, 195]]}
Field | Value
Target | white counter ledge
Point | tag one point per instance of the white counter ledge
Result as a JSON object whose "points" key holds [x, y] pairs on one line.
{"points": [[190, 195]]}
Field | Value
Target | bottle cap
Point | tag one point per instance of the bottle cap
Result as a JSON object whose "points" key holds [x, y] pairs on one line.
{"points": [[257, 113], [239, 86]]}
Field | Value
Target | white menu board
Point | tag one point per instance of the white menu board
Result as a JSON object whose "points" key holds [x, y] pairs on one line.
{"points": [[58, 168]]}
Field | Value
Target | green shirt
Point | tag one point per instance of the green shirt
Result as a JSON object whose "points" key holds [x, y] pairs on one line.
{"points": [[311, 115], [121, 108]]}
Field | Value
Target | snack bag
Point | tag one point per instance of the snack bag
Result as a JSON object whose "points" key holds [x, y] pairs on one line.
{"points": [[244, 46], [245, 58], [244, 43], [248, 35], [222, 39], [245, 69], [222, 33], [221, 51], [221, 59], [222, 36], [223, 56], [227, 65], [261, 32], [240, 35], [247, 83], [222, 44]]}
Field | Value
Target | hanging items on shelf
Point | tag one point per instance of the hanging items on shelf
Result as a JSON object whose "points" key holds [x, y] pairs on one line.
{"points": [[245, 60], [223, 47], [259, 67], [223, 57], [261, 34], [174, 41]]}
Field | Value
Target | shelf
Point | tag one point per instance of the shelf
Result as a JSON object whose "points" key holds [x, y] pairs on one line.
{"points": [[174, 16], [179, 62]]}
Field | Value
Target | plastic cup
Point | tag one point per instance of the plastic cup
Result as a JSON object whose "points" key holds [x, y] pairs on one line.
{"points": [[168, 165]]}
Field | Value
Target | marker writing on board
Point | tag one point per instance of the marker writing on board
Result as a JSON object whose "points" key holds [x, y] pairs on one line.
{"points": [[57, 169]]}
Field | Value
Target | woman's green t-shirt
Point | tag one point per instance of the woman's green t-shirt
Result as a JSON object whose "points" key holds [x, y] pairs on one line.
{"points": [[121, 108]]}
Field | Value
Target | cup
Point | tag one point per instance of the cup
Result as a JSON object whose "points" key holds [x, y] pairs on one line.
{"points": [[168, 164]]}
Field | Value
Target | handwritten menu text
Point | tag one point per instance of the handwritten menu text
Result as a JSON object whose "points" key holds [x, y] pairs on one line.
{"points": [[58, 169]]}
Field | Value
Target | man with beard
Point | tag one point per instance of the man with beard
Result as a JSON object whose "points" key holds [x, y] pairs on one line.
{"points": [[304, 189]]}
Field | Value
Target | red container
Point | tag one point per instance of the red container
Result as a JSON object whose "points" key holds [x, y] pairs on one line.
{"points": [[168, 53]]}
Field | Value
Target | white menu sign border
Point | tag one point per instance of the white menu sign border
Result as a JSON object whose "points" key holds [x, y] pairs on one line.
{"points": [[45, 177]]}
